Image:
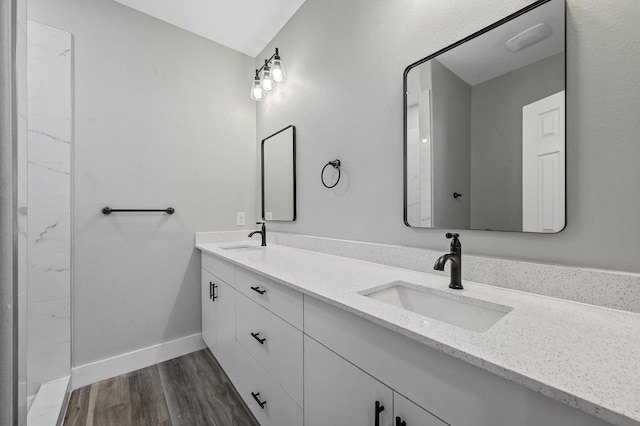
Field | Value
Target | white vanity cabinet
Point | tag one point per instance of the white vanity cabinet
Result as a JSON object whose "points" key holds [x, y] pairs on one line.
{"points": [[297, 360], [253, 326]]}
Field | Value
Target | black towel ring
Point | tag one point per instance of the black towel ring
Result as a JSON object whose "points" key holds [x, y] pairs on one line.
{"points": [[336, 165]]}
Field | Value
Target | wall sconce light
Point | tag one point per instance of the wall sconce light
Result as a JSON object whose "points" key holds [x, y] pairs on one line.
{"points": [[270, 73]]}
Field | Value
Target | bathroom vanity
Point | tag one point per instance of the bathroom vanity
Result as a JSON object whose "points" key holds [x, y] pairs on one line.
{"points": [[315, 339]]}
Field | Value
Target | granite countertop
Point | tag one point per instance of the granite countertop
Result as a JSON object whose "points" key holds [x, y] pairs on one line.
{"points": [[583, 355]]}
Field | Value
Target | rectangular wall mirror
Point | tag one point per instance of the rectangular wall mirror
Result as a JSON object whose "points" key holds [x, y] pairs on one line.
{"points": [[484, 135], [279, 175]]}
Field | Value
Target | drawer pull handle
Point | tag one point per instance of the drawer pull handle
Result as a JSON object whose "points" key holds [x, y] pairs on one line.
{"points": [[257, 290], [260, 403], [379, 409], [400, 422], [212, 291], [257, 337]]}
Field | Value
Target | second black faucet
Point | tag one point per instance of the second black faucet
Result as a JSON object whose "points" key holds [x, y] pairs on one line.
{"points": [[263, 233], [456, 262]]}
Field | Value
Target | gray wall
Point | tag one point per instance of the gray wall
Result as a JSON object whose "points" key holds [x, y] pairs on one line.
{"points": [[344, 64], [162, 118], [496, 140], [451, 129]]}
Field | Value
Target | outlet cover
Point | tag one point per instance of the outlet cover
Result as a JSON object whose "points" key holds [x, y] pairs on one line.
{"points": [[240, 218]]}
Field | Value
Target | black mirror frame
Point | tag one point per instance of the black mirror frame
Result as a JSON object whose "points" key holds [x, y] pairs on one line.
{"points": [[404, 108], [291, 126]]}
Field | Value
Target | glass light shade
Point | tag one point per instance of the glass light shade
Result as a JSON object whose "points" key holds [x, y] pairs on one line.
{"points": [[267, 79], [279, 76], [257, 94]]}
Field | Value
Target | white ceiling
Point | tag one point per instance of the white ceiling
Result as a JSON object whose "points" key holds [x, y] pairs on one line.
{"points": [[487, 57], [243, 25]]}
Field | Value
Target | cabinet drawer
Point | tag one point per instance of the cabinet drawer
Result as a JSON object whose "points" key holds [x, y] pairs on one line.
{"points": [[282, 301], [279, 349], [280, 409], [221, 269]]}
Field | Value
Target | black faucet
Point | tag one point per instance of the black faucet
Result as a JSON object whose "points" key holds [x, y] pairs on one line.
{"points": [[456, 262], [263, 233]]}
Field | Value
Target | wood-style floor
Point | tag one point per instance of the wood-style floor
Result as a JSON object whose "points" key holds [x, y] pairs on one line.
{"points": [[191, 390]]}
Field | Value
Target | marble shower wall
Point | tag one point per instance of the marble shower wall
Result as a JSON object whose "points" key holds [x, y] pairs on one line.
{"points": [[21, 80], [49, 204]]}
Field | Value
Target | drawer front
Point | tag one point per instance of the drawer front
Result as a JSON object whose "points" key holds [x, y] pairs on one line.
{"points": [[273, 342], [279, 409], [282, 301], [221, 269]]}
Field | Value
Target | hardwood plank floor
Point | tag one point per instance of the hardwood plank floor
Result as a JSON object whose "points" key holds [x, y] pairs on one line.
{"points": [[188, 391]]}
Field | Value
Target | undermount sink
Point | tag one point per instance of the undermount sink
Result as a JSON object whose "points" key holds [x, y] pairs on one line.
{"points": [[240, 248], [455, 309]]}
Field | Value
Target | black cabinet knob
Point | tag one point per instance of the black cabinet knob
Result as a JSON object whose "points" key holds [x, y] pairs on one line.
{"points": [[257, 337], [257, 290], [260, 403], [212, 291], [379, 409]]}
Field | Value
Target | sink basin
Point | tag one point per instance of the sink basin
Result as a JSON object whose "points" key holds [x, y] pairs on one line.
{"points": [[455, 309], [240, 248]]}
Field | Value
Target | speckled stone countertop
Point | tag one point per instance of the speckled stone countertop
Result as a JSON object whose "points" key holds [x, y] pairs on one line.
{"points": [[585, 356]]}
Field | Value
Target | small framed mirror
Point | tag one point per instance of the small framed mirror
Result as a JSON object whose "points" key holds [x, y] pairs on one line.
{"points": [[278, 153], [484, 128]]}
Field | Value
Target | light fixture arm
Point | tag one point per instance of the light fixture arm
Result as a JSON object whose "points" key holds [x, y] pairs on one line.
{"points": [[268, 61]]}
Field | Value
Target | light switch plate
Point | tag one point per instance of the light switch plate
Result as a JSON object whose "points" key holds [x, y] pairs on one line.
{"points": [[240, 218]]}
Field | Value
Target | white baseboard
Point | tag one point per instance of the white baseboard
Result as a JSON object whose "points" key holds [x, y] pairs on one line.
{"points": [[87, 374]]}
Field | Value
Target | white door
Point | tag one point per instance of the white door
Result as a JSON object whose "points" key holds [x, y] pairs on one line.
{"points": [[208, 311], [543, 165], [337, 392]]}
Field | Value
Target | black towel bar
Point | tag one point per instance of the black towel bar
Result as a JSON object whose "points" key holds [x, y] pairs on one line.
{"points": [[109, 210]]}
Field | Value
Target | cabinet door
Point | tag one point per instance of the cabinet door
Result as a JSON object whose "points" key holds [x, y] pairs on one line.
{"points": [[225, 325], [338, 393], [208, 311], [406, 413]]}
